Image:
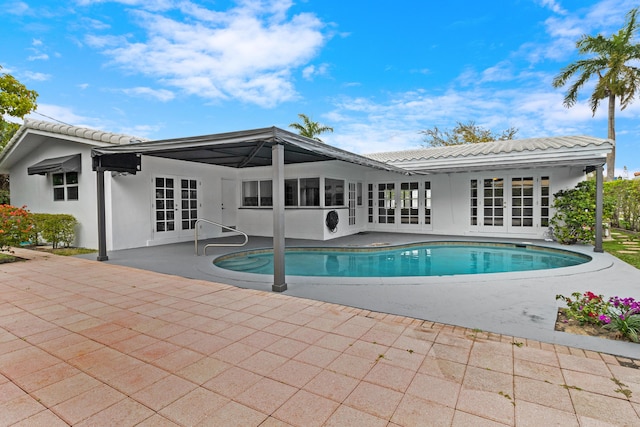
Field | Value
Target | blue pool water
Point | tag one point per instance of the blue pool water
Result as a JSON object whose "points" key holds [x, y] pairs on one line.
{"points": [[432, 259]]}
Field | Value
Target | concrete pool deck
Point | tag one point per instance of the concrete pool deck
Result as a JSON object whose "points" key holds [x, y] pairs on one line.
{"points": [[518, 304], [86, 343]]}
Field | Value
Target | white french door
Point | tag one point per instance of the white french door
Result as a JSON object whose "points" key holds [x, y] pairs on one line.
{"points": [[175, 206], [510, 203]]}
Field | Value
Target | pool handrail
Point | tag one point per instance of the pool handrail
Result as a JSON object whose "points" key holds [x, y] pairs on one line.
{"points": [[204, 250]]}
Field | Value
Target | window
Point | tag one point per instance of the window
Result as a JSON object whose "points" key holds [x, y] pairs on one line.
{"points": [[65, 186], [409, 197], [493, 201], [474, 202], [359, 193], [309, 191], [189, 196], [545, 200], [386, 203], [522, 202], [257, 193], [165, 205], [352, 203], [266, 193], [291, 192], [333, 192], [370, 202], [427, 202]]}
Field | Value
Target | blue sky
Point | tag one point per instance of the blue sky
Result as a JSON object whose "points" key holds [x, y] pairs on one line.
{"points": [[377, 72]]}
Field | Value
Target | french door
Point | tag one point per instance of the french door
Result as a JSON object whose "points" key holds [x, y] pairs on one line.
{"points": [[510, 203], [175, 206]]}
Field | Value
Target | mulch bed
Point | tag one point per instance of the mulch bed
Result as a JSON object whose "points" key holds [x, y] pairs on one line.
{"points": [[572, 326]]}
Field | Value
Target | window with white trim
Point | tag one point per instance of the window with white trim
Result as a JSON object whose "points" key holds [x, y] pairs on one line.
{"points": [[257, 193]]}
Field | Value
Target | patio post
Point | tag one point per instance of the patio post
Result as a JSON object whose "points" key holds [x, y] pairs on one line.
{"points": [[102, 229], [277, 162], [599, 197]]}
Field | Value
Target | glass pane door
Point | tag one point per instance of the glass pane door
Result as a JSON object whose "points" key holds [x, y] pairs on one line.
{"points": [[189, 196], [493, 200], [522, 202], [165, 204]]}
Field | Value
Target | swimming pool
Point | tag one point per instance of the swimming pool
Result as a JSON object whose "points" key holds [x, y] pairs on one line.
{"points": [[423, 259]]}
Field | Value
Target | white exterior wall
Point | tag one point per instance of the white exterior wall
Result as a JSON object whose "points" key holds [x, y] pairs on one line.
{"points": [[130, 201], [36, 191], [305, 222], [133, 202], [451, 206]]}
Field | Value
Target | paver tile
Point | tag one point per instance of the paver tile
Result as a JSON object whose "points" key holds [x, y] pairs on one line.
{"points": [[306, 409], [534, 415], [413, 411], [374, 399], [194, 406], [266, 395], [233, 414], [87, 403], [163, 392], [348, 416]]}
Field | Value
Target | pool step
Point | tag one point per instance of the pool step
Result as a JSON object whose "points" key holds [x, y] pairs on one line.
{"points": [[244, 264]]}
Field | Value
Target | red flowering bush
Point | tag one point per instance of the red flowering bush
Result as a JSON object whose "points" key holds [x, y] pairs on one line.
{"points": [[585, 308], [15, 226]]}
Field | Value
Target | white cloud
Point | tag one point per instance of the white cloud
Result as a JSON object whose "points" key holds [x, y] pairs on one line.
{"points": [[247, 53], [41, 77], [159, 94], [312, 71], [38, 57], [553, 5]]}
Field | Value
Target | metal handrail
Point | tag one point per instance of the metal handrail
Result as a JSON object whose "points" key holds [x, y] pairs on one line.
{"points": [[204, 250]]}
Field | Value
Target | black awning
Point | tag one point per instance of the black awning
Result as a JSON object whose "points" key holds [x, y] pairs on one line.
{"points": [[56, 165]]}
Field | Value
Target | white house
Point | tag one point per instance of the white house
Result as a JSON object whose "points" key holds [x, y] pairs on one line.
{"points": [[497, 189]]}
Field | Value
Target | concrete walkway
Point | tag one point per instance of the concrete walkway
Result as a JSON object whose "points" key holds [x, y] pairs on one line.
{"points": [[96, 344]]}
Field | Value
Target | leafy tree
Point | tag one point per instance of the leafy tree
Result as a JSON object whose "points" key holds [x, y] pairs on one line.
{"points": [[16, 101], [613, 61], [309, 128], [464, 133]]}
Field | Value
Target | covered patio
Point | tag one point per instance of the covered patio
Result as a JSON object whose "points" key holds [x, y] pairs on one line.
{"points": [[259, 147]]}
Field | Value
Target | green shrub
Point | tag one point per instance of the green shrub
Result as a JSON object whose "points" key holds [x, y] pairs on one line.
{"points": [[15, 226], [575, 213], [54, 229]]}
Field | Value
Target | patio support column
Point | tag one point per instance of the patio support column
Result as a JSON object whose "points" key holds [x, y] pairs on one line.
{"points": [[599, 197], [277, 164], [102, 228]]}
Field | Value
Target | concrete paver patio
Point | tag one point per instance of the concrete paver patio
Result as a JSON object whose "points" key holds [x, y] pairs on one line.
{"points": [[87, 343]]}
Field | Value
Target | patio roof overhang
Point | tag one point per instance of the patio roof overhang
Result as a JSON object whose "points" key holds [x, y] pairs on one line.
{"points": [[243, 149]]}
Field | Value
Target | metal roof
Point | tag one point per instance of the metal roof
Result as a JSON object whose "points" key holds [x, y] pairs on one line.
{"points": [[532, 152], [249, 148]]}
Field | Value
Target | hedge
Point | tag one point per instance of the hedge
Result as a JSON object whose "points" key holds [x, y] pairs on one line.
{"points": [[54, 229]]}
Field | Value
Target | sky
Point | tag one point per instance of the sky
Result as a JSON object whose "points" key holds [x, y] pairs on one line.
{"points": [[378, 72]]}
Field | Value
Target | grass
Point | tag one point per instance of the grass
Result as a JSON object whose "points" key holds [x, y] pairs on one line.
{"points": [[6, 258], [615, 245], [70, 251]]}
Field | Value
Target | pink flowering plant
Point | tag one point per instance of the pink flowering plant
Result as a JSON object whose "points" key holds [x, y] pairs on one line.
{"points": [[616, 314], [15, 226], [624, 317]]}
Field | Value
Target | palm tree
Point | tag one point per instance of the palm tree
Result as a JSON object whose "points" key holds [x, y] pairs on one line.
{"points": [[309, 128], [614, 62]]}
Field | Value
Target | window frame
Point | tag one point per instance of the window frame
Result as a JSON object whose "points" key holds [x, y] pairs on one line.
{"points": [[67, 187]]}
